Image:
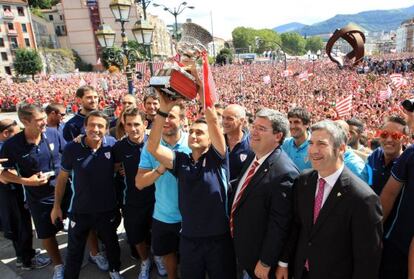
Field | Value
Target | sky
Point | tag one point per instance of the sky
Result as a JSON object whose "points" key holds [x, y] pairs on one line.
{"points": [[229, 14]]}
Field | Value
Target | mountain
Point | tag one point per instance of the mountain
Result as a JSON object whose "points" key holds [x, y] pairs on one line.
{"points": [[289, 27], [377, 20]]}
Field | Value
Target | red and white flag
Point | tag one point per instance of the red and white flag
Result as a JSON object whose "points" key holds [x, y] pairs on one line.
{"points": [[385, 94], [304, 75], [210, 94], [397, 80], [287, 73], [344, 106], [98, 62], [157, 65], [266, 79], [140, 67], [82, 82]]}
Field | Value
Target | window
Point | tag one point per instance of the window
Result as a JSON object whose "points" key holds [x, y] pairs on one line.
{"points": [[24, 27], [20, 11], [10, 26], [8, 70], [61, 17], [27, 42], [6, 8], [1, 42], [50, 17], [4, 56], [13, 42], [63, 28]]}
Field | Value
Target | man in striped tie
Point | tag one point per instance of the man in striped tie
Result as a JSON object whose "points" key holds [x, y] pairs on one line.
{"points": [[337, 229], [260, 215]]}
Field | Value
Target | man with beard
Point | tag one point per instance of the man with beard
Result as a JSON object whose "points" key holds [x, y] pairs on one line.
{"points": [[356, 129], [297, 145], [151, 105], [166, 224], [55, 113], [88, 98]]}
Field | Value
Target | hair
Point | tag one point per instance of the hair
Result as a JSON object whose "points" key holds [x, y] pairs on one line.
{"points": [[200, 120], [97, 113], [240, 111], [83, 89], [300, 113], [356, 123], [7, 125], [280, 124], [150, 93], [25, 111], [399, 120], [181, 107], [53, 107], [335, 131], [218, 106], [133, 112]]}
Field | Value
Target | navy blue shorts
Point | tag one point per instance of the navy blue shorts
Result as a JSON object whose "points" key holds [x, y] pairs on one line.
{"points": [[41, 219], [137, 222], [165, 237]]}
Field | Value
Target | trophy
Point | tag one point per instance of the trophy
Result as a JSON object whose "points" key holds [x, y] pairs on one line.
{"points": [[173, 79], [355, 37]]}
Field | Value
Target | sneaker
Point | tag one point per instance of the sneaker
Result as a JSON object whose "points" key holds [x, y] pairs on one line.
{"points": [[144, 273], [38, 262], [59, 272], [100, 260], [115, 275], [19, 262], [160, 266]]}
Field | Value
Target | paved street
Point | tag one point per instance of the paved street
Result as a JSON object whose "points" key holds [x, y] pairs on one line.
{"points": [[129, 267]]}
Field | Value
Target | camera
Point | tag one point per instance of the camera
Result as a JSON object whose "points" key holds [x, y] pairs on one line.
{"points": [[408, 104]]}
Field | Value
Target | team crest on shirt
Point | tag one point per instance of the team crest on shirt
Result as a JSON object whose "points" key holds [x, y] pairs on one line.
{"points": [[107, 155], [243, 157], [51, 146]]}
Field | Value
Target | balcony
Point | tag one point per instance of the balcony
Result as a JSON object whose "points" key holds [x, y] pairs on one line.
{"points": [[8, 15], [12, 32]]}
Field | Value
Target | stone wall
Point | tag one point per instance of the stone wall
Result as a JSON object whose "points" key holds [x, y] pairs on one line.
{"points": [[57, 61]]}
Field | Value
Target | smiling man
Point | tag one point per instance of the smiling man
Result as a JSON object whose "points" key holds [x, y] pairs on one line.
{"points": [[337, 228]]}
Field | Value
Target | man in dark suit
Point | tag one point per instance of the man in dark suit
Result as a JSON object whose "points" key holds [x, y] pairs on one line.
{"points": [[260, 214], [337, 227]]}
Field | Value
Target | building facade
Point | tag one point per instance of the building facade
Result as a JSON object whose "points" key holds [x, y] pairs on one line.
{"points": [[15, 32], [44, 33], [82, 18], [405, 36]]}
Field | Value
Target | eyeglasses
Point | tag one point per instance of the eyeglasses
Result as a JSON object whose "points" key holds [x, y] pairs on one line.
{"points": [[394, 135], [261, 129], [60, 113], [14, 123]]}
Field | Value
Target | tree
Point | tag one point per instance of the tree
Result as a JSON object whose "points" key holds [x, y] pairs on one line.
{"points": [[314, 44], [27, 62], [225, 56], [42, 4], [253, 40], [267, 40], [243, 39], [293, 43]]}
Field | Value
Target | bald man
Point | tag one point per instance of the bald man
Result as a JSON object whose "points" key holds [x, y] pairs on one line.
{"points": [[352, 161], [237, 138]]}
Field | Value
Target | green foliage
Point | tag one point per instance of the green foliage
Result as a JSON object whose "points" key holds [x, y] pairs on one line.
{"points": [[115, 57], [37, 12], [27, 62], [80, 64], [314, 44], [225, 56], [253, 40], [138, 47], [293, 43], [42, 4]]}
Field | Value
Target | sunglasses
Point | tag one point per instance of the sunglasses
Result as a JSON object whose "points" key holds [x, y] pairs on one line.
{"points": [[14, 123], [393, 135]]}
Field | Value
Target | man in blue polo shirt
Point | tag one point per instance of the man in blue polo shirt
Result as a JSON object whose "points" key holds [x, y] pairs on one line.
{"points": [[205, 244], [297, 145], [89, 99], [34, 153], [93, 204], [237, 138], [137, 206], [166, 223]]}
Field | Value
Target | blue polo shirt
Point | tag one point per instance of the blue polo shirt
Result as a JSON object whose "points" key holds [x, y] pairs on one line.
{"points": [[93, 185], [238, 155], [74, 127], [298, 154], [29, 159], [128, 153], [402, 226], [202, 193], [166, 189], [354, 163]]}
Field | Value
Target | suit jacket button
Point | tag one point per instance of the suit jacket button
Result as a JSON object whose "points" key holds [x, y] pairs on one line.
{"points": [[309, 243]]}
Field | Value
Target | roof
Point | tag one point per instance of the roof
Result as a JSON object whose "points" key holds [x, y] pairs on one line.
{"points": [[16, 2]]}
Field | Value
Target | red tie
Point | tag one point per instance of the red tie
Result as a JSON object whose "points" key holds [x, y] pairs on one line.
{"points": [[249, 176], [317, 207]]}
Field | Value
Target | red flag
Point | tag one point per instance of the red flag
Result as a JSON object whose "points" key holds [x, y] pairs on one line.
{"points": [[385, 94], [397, 80], [140, 67], [210, 95], [344, 106], [157, 65]]}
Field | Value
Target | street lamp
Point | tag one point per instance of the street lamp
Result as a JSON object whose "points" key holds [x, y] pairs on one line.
{"points": [[280, 50], [106, 37], [175, 12], [143, 32]]}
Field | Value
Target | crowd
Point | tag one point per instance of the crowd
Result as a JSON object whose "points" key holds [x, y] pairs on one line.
{"points": [[272, 182]]}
